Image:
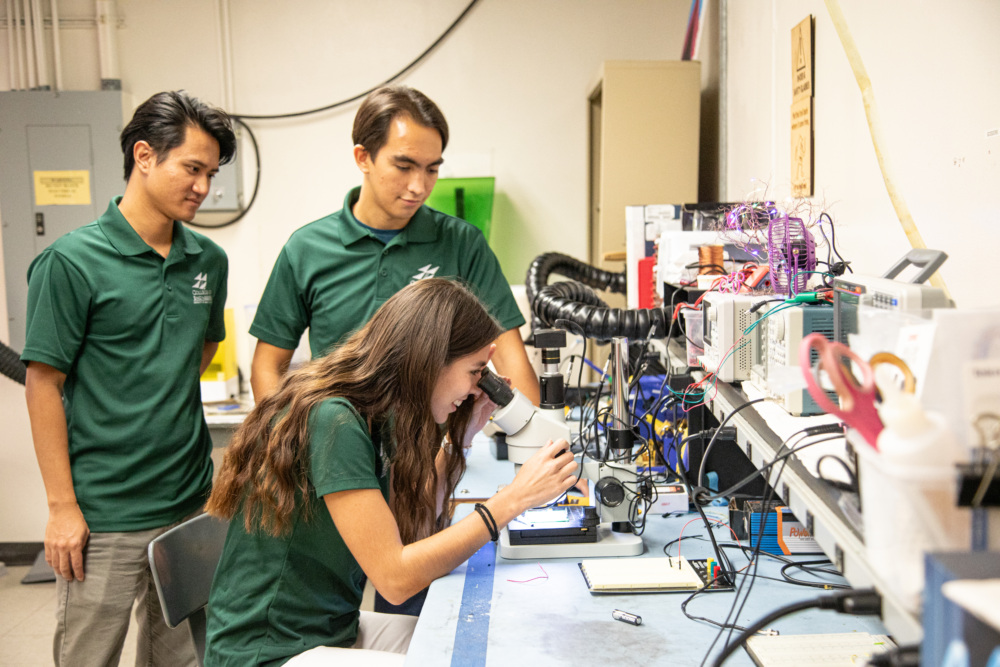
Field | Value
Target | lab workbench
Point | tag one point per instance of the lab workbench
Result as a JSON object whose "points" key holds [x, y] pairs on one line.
{"points": [[493, 611], [829, 515], [826, 513], [542, 609]]}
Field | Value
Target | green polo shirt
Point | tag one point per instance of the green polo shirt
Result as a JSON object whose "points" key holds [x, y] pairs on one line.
{"points": [[127, 327], [275, 597], [333, 274]]}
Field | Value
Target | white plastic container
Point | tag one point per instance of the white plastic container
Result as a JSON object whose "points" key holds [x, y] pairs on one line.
{"points": [[908, 496], [694, 330]]}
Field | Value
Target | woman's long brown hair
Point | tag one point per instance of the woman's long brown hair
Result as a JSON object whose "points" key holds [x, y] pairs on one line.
{"points": [[388, 371]]}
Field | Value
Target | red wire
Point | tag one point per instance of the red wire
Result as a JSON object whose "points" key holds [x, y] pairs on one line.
{"points": [[524, 581]]}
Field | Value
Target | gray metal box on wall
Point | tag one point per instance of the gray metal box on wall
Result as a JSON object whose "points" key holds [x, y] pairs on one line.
{"points": [[226, 193], [60, 165]]}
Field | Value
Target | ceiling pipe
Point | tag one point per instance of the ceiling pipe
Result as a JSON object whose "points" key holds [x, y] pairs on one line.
{"points": [[41, 62], [11, 51], [22, 73], [226, 54], [107, 42], [56, 50], [29, 44]]}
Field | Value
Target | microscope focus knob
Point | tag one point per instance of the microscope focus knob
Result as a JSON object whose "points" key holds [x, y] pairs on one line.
{"points": [[610, 492]]}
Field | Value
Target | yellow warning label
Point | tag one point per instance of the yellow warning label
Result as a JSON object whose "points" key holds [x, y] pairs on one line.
{"points": [[61, 188]]}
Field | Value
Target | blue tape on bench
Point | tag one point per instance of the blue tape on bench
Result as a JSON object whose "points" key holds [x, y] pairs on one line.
{"points": [[472, 634]]}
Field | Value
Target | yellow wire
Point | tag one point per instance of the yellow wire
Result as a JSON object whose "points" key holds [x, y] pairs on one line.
{"points": [[875, 127]]}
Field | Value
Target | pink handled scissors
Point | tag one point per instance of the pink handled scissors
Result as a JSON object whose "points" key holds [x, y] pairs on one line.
{"points": [[857, 398]]}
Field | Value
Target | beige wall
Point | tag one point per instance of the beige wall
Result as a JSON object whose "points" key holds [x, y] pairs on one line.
{"points": [[512, 79], [931, 66]]}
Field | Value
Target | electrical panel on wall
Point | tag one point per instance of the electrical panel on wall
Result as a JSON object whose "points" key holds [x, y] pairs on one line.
{"points": [[226, 193], [61, 165]]}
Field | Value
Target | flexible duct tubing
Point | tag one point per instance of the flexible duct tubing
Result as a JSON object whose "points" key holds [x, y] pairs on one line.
{"points": [[578, 303], [574, 269], [11, 364]]}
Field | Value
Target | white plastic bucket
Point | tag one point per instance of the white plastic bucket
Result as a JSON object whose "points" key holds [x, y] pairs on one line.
{"points": [[907, 510]]}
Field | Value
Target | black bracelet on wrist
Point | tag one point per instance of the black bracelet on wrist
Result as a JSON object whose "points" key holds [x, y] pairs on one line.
{"points": [[491, 523]]}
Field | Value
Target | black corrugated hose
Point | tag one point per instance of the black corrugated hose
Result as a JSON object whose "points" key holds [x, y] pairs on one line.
{"points": [[576, 302], [572, 268], [11, 364]]}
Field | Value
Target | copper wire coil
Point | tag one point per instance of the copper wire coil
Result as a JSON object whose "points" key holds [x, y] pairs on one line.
{"points": [[710, 260]]}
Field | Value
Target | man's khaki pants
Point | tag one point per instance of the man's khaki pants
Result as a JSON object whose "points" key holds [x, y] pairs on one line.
{"points": [[92, 615]]}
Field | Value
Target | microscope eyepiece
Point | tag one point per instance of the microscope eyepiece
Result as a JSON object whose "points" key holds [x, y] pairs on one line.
{"points": [[496, 388]]}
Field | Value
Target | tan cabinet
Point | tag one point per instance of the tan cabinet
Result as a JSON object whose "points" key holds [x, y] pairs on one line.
{"points": [[644, 120]]}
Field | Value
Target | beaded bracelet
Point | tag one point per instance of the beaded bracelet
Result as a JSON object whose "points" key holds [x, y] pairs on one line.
{"points": [[491, 523]]}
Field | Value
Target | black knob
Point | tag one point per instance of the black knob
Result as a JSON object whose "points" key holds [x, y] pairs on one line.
{"points": [[610, 492]]}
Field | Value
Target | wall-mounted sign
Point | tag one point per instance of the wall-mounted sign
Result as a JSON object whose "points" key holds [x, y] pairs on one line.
{"points": [[62, 188], [802, 148], [802, 108]]}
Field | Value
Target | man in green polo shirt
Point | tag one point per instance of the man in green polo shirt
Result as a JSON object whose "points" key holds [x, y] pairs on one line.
{"points": [[334, 273], [123, 316]]}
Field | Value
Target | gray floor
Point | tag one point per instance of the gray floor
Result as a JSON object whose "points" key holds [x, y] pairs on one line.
{"points": [[27, 617], [27, 621]]}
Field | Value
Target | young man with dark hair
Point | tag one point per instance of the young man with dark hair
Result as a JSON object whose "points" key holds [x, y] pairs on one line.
{"points": [[123, 316], [334, 273]]}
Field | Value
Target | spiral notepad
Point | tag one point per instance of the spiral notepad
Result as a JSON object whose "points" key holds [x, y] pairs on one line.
{"points": [[639, 575]]}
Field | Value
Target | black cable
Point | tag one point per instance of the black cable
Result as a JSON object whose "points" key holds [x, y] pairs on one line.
{"points": [[765, 516], [804, 565], [753, 629], [760, 471], [720, 555], [697, 265], [703, 619], [734, 611], [842, 266], [579, 377], [256, 185], [760, 304], [239, 117], [359, 96], [704, 455], [788, 563], [848, 602], [850, 486]]}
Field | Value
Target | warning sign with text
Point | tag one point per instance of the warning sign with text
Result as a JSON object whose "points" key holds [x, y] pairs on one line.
{"points": [[61, 188], [802, 59], [802, 145]]}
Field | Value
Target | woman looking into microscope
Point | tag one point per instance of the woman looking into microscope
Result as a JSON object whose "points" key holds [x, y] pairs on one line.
{"points": [[342, 472]]}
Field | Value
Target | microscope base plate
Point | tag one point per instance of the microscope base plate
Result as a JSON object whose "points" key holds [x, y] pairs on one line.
{"points": [[608, 544]]}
